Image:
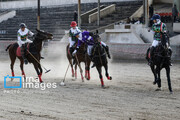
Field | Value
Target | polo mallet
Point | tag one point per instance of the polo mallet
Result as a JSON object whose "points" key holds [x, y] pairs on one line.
{"points": [[62, 83], [39, 63], [81, 71]]}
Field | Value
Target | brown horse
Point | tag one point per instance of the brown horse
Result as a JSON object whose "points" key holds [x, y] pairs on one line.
{"points": [[34, 49], [81, 56]]}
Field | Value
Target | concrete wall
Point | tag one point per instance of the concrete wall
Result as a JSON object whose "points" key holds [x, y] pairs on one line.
{"points": [[176, 27], [85, 16], [104, 12], [139, 30], [140, 11], [7, 15], [121, 36], [33, 3], [175, 40], [136, 51]]}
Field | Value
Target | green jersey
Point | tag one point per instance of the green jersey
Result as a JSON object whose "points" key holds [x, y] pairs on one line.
{"points": [[157, 28]]}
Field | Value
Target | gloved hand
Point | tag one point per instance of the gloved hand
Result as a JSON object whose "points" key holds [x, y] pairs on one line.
{"points": [[75, 51], [89, 38]]}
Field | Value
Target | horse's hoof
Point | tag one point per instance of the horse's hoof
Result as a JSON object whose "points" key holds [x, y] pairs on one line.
{"points": [[87, 79], [109, 78], [158, 89], [171, 92], [154, 83]]}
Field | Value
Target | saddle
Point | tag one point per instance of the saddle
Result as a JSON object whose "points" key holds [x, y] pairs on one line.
{"points": [[18, 51]]}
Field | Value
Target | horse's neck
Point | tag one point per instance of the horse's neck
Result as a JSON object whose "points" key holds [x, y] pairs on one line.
{"points": [[99, 49], [38, 45], [82, 48]]}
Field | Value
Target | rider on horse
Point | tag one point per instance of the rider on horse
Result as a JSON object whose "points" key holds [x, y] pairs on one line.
{"points": [[158, 28], [22, 36], [72, 38], [87, 38]]}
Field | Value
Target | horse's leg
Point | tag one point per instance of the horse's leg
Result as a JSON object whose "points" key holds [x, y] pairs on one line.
{"points": [[37, 71], [155, 74], [159, 76], [100, 76], [87, 68], [81, 71], [70, 62], [22, 68], [107, 74], [40, 68], [13, 59], [75, 71], [168, 78]]}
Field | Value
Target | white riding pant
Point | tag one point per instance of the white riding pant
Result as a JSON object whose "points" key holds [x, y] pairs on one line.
{"points": [[104, 44], [89, 49], [20, 43], [71, 42], [155, 43]]}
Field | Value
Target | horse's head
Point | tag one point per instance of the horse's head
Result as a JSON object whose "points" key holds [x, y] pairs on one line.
{"points": [[96, 38], [42, 35], [98, 48], [165, 40]]}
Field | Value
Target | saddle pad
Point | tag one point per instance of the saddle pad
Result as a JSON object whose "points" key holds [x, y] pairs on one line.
{"points": [[18, 51]]}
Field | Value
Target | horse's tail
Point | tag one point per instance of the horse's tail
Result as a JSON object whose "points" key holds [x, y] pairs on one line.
{"points": [[8, 47]]}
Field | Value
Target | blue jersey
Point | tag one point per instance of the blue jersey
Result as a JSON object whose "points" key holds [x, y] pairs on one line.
{"points": [[86, 38]]}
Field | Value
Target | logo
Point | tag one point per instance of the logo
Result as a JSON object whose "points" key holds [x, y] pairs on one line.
{"points": [[29, 82], [11, 77]]}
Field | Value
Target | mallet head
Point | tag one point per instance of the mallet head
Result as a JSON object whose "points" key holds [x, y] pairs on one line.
{"points": [[47, 71]]}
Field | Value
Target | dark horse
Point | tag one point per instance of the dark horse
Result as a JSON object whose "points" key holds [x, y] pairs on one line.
{"points": [[34, 48], [161, 59], [81, 57], [100, 59]]}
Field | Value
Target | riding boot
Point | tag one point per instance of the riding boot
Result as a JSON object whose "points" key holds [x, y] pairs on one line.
{"points": [[23, 52], [151, 55], [71, 51], [107, 51]]}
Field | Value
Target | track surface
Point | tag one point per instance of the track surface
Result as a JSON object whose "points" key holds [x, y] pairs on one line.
{"points": [[130, 94]]}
